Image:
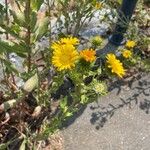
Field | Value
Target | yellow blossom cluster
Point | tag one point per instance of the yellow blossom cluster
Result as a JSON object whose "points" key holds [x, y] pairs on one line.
{"points": [[127, 53], [65, 54], [115, 65]]}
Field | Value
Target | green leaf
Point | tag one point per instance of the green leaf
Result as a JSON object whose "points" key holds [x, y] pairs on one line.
{"points": [[33, 20], [23, 144], [19, 18], [84, 99], [3, 146], [19, 49], [68, 114], [36, 4], [2, 12], [63, 103], [10, 30], [10, 67], [146, 64], [5, 47], [41, 29], [120, 1]]}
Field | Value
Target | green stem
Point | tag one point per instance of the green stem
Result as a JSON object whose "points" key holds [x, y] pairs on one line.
{"points": [[3, 71], [38, 88], [49, 52], [28, 38], [7, 37], [50, 38], [7, 18]]}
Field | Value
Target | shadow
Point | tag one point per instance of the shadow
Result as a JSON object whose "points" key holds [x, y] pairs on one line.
{"points": [[140, 96], [119, 84], [72, 119], [101, 53], [108, 48], [145, 106]]}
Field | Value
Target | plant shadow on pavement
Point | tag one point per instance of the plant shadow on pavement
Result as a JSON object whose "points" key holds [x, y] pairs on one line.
{"points": [[72, 119], [101, 115]]}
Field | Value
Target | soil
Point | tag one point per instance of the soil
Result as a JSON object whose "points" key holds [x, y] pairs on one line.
{"points": [[15, 122]]}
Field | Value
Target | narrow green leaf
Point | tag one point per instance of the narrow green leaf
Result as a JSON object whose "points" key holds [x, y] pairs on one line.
{"points": [[10, 31], [33, 20], [10, 67], [36, 4], [23, 145], [19, 18], [16, 48], [68, 114], [41, 29], [63, 103]]}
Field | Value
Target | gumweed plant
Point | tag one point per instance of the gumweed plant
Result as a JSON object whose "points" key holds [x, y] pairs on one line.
{"points": [[54, 82]]}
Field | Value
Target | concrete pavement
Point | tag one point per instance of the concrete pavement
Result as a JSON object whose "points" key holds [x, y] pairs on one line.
{"points": [[119, 121]]}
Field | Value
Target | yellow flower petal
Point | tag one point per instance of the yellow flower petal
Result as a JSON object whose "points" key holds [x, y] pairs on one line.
{"points": [[115, 65], [88, 54], [127, 54], [130, 44], [70, 40]]}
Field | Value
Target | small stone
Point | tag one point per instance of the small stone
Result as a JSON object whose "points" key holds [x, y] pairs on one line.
{"points": [[80, 47], [93, 32]]}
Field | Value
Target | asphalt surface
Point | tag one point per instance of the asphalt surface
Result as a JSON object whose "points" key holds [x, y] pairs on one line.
{"points": [[119, 121]]}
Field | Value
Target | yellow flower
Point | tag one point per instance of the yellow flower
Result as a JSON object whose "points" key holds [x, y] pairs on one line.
{"points": [[64, 56], [70, 40], [115, 65], [130, 44], [88, 54], [127, 54], [98, 5]]}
